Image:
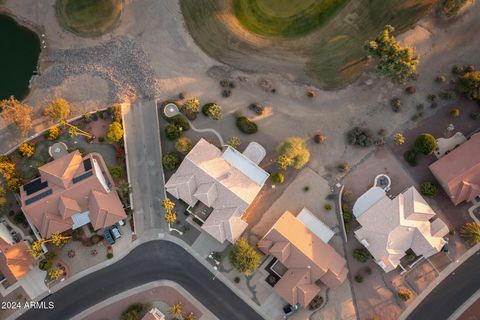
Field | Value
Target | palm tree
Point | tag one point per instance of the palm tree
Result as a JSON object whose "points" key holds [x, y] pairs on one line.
{"points": [[189, 316], [170, 217], [168, 204], [471, 232], [176, 309]]}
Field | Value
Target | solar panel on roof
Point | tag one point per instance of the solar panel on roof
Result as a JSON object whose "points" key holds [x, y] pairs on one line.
{"points": [[38, 197], [35, 186], [87, 164], [82, 177]]}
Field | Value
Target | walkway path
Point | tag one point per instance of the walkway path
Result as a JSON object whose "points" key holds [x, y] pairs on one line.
{"points": [[145, 164], [207, 130]]}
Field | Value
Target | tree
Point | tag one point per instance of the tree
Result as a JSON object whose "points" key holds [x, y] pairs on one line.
{"points": [[27, 149], [115, 111], [55, 273], [191, 106], [176, 309], [234, 142], [18, 113], [470, 231], [278, 178], [183, 145], [173, 131], [171, 161], [360, 137], [170, 217], [469, 85], [58, 110], [36, 249], [399, 138], [114, 132], [214, 111], [425, 144], [168, 204], [59, 239], [189, 316], [452, 7], [53, 133], [243, 257], [428, 189], [10, 174], [293, 152], [394, 61]]}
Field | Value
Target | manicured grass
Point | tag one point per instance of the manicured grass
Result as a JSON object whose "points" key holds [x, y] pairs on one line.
{"points": [[327, 52], [285, 18], [88, 17]]}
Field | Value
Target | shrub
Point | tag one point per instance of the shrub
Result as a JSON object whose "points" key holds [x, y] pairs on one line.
{"points": [[319, 138], [278, 178], [411, 157], [455, 112], [45, 264], [191, 106], [470, 231], [475, 115], [428, 189], [452, 7], [404, 294], [359, 278], [396, 104], [171, 161], [53, 133], [27, 149], [173, 132], [441, 78], [246, 125], [57, 110], [236, 279], [101, 139], [361, 254], [348, 196], [360, 137], [293, 152], [469, 85], [212, 110], [458, 70], [243, 257], [234, 142], [116, 172], [368, 270], [226, 93], [183, 145], [87, 117], [114, 132], [135, 311], [115, 111], [180, 121], [327, 206], [306, 188], [343, 167], [399, 138], [425, 144], [410, 89], [109, 255]]}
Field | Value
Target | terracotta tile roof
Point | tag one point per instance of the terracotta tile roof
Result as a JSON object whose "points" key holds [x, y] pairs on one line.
{"points": [[73, 188], [205, 175], [307, 258], [14, 260], [392, 226], [458, 172]]}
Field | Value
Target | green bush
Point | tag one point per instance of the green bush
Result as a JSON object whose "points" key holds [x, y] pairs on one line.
{"points": [[109, 255], [278, 178], [361, 254], [359, 278], [404, 294], [180, 121], [246, 125], [45, 264], [327, 206], [183, 145], [173, 132], [212, 110], [116, 172], [243, 257], [425, 144], [469, 85], [475, 115], [411, 157], [360, 137], [171, 161], [428, 189]]}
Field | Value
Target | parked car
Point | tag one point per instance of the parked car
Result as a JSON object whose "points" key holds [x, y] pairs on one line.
{"points": [[257, 108], [290, 309], [115, 232], [108, 236]]}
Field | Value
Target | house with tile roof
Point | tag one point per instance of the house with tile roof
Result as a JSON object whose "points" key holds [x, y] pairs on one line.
{"points": [[390, 227], [307, 260], [71, 192], [15, 261], [224, 183], [458, 171]]}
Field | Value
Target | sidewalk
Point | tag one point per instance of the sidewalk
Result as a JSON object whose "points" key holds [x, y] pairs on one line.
{"points": [[443, 274]]}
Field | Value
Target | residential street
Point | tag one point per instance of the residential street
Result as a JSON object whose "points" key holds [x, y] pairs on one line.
{"points": [[451, 293], [151, 261], [145, 164]]}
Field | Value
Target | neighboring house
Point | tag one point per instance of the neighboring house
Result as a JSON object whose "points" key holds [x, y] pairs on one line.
{"points": [[71, 192], [458, 172], [15, 261], [218, 186], [389, 227], [305, 259], [154, 314]]}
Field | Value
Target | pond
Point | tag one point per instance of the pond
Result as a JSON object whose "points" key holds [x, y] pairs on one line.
{"points": [[20, 48]]}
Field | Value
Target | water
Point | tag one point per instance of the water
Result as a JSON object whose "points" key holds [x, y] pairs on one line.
{"points": [[19, 51]]}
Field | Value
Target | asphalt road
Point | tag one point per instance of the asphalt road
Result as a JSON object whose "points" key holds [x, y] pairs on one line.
{"points": [[145, 165], [451, 293], [154, 260]]}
